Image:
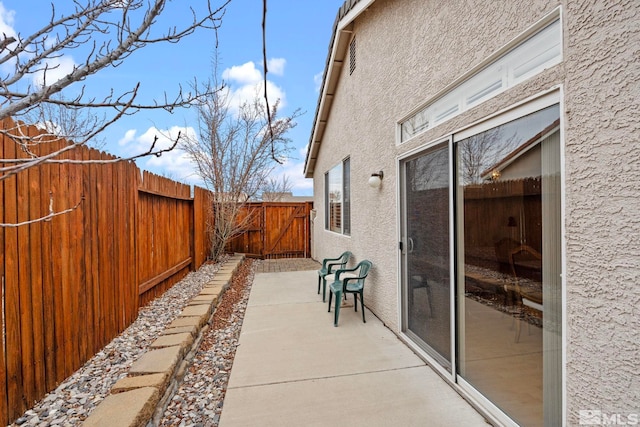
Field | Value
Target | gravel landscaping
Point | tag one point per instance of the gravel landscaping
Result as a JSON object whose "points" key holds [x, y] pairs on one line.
{"points": [[198, 401]]}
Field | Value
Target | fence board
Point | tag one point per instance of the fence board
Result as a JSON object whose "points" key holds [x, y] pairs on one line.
{"points": [[56, 265], [35, 266], [3, 319], [24, 284], [117, 243], [62, 201], [48, 295], [201, 227], [88, 265], [76, 261], [131, 283], [12, 291]]}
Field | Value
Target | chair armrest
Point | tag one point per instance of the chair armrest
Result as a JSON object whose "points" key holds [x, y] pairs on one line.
{"points": [[344, 270], [325, 262], [347, 270], [333, 264], [346, 279]]}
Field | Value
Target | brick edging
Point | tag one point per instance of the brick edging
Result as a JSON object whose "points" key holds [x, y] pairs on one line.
{"points": [[141, 397]]}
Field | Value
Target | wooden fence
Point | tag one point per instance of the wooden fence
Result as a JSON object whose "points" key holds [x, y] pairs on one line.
{"points": [[274, 230], [163, 257], [72, 283]]}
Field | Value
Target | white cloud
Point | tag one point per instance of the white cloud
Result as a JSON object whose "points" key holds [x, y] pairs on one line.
{"points": [[57, 68], [294, 171], [174, 164], [276, 66], [317, 79], [128, 137], [7, 19], [248, 93], [245, 82], [245, 74]]}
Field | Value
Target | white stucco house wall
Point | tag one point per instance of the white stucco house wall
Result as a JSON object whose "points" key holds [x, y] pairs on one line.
{"points": [[505, 233]]}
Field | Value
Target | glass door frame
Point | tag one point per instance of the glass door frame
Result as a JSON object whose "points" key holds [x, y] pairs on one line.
{"points": [[403, 302]]}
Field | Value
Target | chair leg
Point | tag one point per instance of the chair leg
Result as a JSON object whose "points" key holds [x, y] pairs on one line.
{"points": [[330, 295], [428, 288], [355, 302], [324, 288], [336, 311], [362, 306], [319, 279]]}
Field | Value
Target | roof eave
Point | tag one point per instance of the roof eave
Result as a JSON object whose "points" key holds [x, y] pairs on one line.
{"points": [[342, 29]]}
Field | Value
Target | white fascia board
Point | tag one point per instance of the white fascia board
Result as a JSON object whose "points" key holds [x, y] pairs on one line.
{"points": [[360, 7]]}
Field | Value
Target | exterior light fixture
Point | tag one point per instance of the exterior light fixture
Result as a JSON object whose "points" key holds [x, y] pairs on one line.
{"points": [[376, 179]]}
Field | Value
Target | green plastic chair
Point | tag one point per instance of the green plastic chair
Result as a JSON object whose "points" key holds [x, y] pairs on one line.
{"points": [[329, 267], [349, 285]]}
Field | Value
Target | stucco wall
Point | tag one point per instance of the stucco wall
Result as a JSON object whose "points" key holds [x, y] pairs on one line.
{"points": [[602, 205], [409, 50], [406, 53]]}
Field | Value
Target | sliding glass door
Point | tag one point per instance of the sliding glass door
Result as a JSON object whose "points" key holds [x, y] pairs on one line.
{"points": [[508, 265], [427, 289], [482, 263]]}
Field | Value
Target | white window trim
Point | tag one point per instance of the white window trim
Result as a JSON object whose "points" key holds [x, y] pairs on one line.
{"points": [[327, 213], [454, 98]]}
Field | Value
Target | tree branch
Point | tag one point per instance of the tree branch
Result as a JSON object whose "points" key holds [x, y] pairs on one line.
{"points": [[264, 60], [48, 217]]}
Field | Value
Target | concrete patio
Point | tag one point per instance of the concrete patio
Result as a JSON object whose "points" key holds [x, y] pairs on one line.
{"points": [[293, 367]]}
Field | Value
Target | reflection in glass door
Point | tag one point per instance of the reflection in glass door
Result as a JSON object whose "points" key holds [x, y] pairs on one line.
{"points": [[508, 266], [426, 258]]}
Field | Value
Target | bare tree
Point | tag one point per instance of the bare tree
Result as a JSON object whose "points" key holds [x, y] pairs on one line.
{"points": [[68, 123], [481, 151], [105, 33], [235, 153], [275, 189]]}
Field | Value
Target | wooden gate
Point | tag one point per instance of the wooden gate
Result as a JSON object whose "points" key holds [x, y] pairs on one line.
{"points": [[275, 230]]}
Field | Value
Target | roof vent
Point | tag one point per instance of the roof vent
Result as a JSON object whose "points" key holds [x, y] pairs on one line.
{"points": [[352, 55]]}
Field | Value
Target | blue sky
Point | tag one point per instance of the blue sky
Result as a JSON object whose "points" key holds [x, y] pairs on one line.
{"points": [[298, 35]]}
